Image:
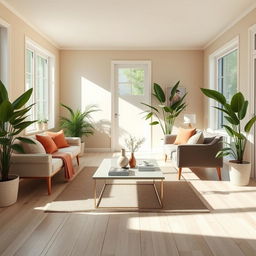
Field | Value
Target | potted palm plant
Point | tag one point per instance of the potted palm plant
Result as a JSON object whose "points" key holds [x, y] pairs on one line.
{"points": [[164, 113], [234, 113], [79, 124], [12, 122]]}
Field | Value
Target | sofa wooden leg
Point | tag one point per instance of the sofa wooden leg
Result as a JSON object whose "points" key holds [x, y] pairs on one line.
{"points": [[219, 172], [179, 175], [77, 159], [49, 185], [165, 157]]}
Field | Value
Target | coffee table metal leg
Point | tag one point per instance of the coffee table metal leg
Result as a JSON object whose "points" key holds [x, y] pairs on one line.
{"points": [[162, 190]]}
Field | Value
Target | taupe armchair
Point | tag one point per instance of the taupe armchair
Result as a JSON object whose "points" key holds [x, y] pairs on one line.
{"points": [[195, 155]]}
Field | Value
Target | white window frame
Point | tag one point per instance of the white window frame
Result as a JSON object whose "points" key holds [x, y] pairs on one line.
{"points": [[213, 81], [36, 48], [252, 91], [5, 56]]}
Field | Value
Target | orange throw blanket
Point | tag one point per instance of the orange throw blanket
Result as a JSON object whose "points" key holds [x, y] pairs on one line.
{"points": [[67, 162]]}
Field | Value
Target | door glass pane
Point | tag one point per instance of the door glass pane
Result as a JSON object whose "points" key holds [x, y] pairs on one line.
{"points": [[131, 81]]}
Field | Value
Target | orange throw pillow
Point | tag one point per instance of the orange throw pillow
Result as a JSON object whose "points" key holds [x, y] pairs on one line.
{"points": [[47, 142], [58, 138], [184, 135]]}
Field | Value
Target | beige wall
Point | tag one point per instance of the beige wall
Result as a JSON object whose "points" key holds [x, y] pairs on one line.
{"points": [[167, 68], [240, 29], [18, 31]]}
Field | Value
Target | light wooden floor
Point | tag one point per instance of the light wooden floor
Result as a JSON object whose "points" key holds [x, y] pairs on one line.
{"points": [[230, 229]]}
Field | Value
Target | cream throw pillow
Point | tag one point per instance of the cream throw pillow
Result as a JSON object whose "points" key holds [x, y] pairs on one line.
{"points": [[198, 138], [29, 148]]}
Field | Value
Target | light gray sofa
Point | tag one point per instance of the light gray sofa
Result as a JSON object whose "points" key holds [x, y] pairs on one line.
{"points": [[195, 155], [43, 166]]}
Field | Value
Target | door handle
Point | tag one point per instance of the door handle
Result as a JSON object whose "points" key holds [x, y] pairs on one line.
{"points": [[116, 115]]}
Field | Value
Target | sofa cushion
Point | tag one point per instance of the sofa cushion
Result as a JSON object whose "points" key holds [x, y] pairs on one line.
{"points": [[183, 135], [58, 138], [48, 143], [197, 138], [36, 148], [72, 150]]}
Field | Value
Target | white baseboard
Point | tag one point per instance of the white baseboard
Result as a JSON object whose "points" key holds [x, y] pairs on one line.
{"points": [[97, 150]]}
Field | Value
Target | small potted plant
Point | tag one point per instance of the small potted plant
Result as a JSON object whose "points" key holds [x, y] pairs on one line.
{"points": [[78, 124], [45, 124], [234, 113], [12, 123], [39, 125], [133, 144]]}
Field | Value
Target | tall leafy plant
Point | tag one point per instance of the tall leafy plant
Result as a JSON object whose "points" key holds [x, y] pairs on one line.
{"points": [[167, 111], [234, 112], [79, 123], [12, 122]]}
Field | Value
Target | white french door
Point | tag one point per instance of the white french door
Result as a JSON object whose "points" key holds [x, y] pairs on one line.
{"points": [[131, 85]]}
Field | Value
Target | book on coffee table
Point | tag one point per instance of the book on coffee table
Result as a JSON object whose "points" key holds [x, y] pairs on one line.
{"points": [[115, 171], [146, 166]]}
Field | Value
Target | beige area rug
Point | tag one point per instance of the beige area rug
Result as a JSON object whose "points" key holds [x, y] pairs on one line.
{"points": [[78, 196]]}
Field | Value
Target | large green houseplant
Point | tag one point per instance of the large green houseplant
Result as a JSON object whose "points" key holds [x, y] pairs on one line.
{"points": [[12, 122], [78, 124], [234, 114], [166, 110]]}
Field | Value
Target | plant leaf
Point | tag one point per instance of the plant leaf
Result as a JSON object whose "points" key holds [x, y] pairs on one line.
{"points": [[174, 89], [249, 125], [149, 115], [6, 110], [3, 92], [154, 123], [18, 148], [213, 94], [26, 140], [22, 100], [159, 93], [237, 102], [243, 110], [150, 106]]}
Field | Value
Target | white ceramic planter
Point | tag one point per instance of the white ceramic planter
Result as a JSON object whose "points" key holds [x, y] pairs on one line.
{"points": [[240, 173], [82, 148], [9, 191]]}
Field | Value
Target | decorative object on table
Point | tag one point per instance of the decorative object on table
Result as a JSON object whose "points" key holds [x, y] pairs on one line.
{"points": [[45, 124], [118, 172], [190, 119], [146, 166], [167, 108], [79, 124], [122, 161], [12, 122], [133, 144], [234, 113]]}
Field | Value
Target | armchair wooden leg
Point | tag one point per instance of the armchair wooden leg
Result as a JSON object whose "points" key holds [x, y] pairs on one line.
{"points": [[77, 159], [165, 157], [179, 175], [219, 172], [49, 185]]}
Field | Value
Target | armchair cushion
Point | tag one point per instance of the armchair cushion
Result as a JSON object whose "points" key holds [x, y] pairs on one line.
{"points": [[184, 135], [197, 138]]}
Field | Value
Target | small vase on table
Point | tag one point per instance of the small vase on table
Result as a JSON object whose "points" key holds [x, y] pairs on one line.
{"points": [[122, 161], [132, 161]]}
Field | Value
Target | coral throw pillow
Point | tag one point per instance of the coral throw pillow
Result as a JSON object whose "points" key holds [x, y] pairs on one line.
{"points": [[58, 138], [184, 135], [48, 143]]}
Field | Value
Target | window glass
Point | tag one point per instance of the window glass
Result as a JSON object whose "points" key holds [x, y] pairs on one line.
{"points": [[37, 77], [227, 80]]}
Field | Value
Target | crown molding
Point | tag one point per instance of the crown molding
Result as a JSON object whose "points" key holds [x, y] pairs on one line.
{"points": [[15, 12], [234, 22], [131, 49]]}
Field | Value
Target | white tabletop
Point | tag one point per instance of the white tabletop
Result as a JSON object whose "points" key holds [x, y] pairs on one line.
{"points": [[134, 173]]}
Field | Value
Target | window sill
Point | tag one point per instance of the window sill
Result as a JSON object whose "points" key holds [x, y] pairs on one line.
{"points": [[33, 132]]}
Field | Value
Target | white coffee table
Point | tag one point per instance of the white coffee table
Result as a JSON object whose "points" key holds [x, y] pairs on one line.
{"points": [[134, 174]]}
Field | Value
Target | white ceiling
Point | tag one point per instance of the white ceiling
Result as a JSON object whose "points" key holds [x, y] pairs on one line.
{"points": [[131, 24]]}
